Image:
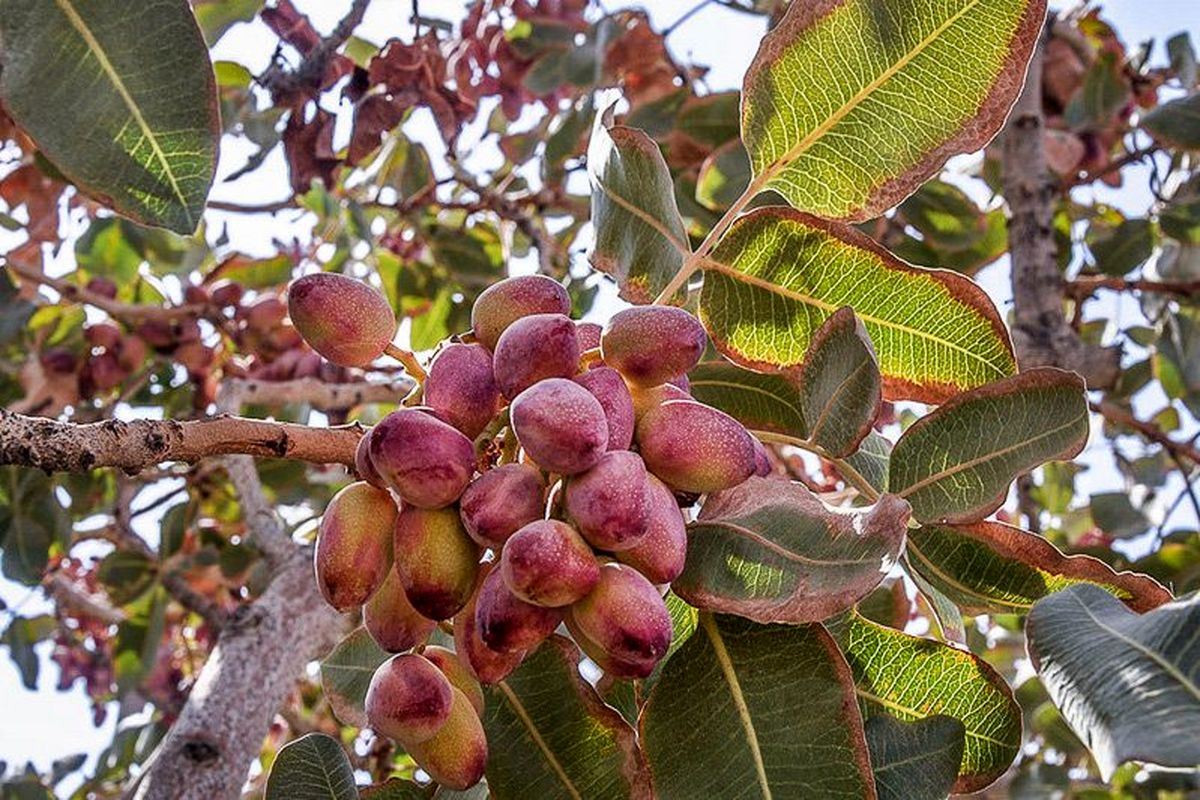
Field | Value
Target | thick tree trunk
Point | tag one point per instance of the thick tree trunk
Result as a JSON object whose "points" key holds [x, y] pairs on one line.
{"points": [[1041, 333], [263, 649]]}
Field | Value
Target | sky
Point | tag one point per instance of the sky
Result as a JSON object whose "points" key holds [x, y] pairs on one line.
{"points": [[44, 725]]}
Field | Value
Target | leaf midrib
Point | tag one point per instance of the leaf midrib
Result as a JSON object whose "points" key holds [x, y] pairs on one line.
{"points": [[78, 23], [739, 700], [645, 217], [777, 548], [523, 715], [994, 454], [775, 288], [827, 409], [913, 549], [850, 105]]}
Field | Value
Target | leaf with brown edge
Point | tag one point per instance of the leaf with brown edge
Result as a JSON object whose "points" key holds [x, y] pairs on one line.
{"points": [[551, 736], [641, 240], [956, 463], [771, 551], [756, 711], [993, 568], [779, 274], [841, 384], [850, 105], [910, 678]]}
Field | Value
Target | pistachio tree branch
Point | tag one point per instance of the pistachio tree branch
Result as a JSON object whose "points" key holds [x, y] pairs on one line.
{"points": [[54, 446], [320, 395], [127, 311]]}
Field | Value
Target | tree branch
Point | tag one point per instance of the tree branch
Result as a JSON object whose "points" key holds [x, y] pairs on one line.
{"points": [[320, 395], [55, 446], [75, 293], [1040, 329], [1120, 416], [1087, 285]]}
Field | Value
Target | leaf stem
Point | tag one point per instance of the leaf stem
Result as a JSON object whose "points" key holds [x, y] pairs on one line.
{"points": [[409, 361], [848, 472]]}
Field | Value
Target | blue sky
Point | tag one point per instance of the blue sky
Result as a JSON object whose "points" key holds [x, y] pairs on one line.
{"points": [[44, 725]]}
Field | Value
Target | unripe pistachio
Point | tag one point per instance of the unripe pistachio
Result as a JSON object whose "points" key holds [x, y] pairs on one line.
{"points": [[456, 756], [561, 425], [346, 320], [623, 624], [391, 619], [436, 560], [661, 553], [487, 665], [462, 388], [651, 345], [607, 386], [503, 303], [695, 448], [409, 699], [457, 673], [501, 501], [608, 501], [426, 461], [534, 348], [548, 563], [354, 545], [506, 622]]}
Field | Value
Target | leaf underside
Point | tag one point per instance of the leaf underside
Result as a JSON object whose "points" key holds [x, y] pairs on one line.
{"points": [[120, 97], [1129, 685], [313, 767], [346, 673], [850, 105], [779, 274], [915, 760], [841, 384]]}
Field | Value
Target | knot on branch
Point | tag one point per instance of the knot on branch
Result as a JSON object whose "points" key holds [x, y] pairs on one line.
{"points": [[201, 751]]}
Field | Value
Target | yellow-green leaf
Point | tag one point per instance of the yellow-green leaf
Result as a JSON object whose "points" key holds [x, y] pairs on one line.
{"points": [[992, 568], [641, 240], [120, 97], [849, 105], [779, 274], [759, 400], [911, 678], [956, 463]]}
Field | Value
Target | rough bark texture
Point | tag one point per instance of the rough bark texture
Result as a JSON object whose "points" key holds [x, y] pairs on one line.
{"points": [[1040, 330], [263, 648], [320, 395], [56, 446]]}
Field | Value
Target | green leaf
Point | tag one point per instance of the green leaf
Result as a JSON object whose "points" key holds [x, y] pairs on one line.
{"points": [[1105, 89], [779, 274], [218, 16], [956, 463], [747, 710], [640, 238], [872, 460], [912, 678], [915, 760], [346, 673], [31, 522], [400, 789], [849, 106], [841, 384], [1177, 123], [253, 273], [551, 736], [1122, 248], [760, 401], [1114, 514], [724, 175], [135, 648], [1129, 685], [992, 568], [20, 636], [121, 97], [125, 574], [771, 551], [313, 767]]}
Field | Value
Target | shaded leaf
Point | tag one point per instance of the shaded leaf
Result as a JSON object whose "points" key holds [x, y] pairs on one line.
{"points": [[31, 522], [346, 673], [993, 568], [313, 767], [743, 705], [20, 636], [872, 460], [641, 240], [135, 648], [849, 106], [1129, 685], [551, 736], [779, 274], [841, 384], [956, 463], [723, 176], [1176, 123], [915, 760], [760, 401], [125, 574], [912, 678], [120, 97], [1114, 514], [1122, 248], [771, 551], [399, 789]]}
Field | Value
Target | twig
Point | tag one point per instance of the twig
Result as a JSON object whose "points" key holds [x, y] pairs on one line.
{"points": [[69, 594], [311, 70], [1087, 285], [1118, 415], [74, 293], [252, 208], [320, 395], [691, 12], [1084, 178]]}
